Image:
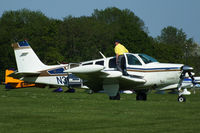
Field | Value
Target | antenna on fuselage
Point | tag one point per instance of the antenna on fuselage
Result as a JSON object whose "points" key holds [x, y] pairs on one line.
{"points": [[102, 55]]}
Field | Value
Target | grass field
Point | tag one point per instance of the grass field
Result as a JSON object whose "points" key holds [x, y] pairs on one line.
{"points": [[36, 110]]}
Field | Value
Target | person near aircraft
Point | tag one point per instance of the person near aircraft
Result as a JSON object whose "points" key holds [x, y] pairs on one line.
{"points": [[120, 59]]}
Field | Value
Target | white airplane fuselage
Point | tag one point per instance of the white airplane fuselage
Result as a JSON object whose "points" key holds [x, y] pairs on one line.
{"points": [[152, 73]]}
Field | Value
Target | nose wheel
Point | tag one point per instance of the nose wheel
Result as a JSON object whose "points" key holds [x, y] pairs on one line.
{"points": [[181, 99], [185, 69]]}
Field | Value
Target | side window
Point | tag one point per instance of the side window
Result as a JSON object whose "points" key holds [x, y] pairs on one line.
{"points": [[112, 63], [132, 60], [100, 63], [90, 63]]}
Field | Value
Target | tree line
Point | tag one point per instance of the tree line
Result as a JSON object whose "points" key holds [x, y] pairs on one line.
{"points": [[76, 39]]}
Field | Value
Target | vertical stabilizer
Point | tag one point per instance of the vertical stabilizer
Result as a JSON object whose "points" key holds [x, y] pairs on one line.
{"points": [[27, 60]]}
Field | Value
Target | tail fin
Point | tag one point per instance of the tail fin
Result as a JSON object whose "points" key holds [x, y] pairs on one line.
{"points": [[27, 60]]}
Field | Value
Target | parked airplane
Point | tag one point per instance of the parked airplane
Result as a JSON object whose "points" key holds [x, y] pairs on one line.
{"points": [[144, 73], [12, 83], [32, 70], [186, 84]]}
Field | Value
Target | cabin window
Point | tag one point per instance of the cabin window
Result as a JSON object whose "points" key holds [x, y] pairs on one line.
{"points": [[132, 60], [90, 63], [112, 63], [147, 59], [100, 63]]}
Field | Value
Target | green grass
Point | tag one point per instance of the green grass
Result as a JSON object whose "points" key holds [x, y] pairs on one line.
{"points": [[36, 110]]}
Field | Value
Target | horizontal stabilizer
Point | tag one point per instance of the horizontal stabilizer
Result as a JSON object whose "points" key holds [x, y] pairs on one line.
{"points": [[22, 74], [28, 73], [85, 69]]}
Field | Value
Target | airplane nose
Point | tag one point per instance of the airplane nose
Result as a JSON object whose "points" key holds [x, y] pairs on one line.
{"points": [[187, 68]]}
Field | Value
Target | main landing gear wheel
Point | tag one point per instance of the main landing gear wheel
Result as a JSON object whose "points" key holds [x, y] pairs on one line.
{"points": [[181, 99], [117, 97], [141, 96]]}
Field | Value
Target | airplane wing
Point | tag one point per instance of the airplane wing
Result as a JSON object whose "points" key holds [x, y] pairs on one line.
{"points": [[133, 79], [85, 69], [169, 87], [96, 76]]}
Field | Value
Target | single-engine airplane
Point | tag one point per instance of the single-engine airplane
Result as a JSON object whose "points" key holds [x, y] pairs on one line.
{"points": [[32, 70], [144, 73]]}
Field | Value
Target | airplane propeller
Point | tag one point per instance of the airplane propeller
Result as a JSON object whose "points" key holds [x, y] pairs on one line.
{"points": [[185, 70]]}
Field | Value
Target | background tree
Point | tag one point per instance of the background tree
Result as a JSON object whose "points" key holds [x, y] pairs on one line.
{"points": [[177, 40], [76, 39]]}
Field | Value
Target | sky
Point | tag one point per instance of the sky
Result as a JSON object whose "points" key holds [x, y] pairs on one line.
{"points": [[156, 14]]}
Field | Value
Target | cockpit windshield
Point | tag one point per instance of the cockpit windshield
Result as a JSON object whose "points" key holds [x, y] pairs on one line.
{"points": [[147, 59]]}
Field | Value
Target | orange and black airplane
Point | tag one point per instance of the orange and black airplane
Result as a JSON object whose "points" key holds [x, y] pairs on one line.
{"points": [[12, 83]]}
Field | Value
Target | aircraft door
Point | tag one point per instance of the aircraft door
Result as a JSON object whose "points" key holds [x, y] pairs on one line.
{"points": [[133, 64], [112, 64]]}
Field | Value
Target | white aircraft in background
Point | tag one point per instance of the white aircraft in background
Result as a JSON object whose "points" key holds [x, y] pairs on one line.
{"points": [[32, 70], [187, 83], [144, 73]]}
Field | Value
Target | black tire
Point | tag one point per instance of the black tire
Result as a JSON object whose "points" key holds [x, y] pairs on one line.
{"points": [[181, 99], [117, 97], [70, 90], [141, 96]]}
